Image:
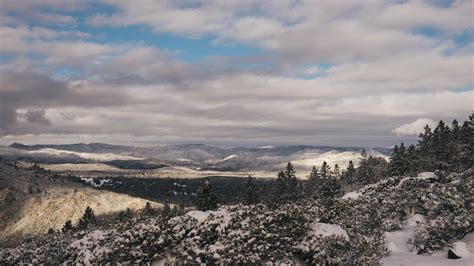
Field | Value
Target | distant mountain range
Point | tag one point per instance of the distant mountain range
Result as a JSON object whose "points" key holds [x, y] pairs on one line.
{"points": [[193, 156]]}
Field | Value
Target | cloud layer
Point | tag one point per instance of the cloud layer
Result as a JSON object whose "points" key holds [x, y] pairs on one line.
{"points": [[325, 72]]}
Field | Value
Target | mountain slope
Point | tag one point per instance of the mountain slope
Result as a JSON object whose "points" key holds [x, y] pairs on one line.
{"points": [[193, 156], [32, 202]]}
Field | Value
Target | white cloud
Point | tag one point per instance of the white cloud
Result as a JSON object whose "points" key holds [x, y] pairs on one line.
{"points": [[382, 72], [415, 127]]}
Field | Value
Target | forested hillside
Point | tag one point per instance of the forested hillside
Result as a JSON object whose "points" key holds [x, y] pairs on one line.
{"points": [[345, 216]]}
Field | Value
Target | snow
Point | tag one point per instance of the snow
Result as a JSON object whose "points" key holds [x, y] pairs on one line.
{"points": [[324, 229], [102, 157], [332, 157], [427, 175], [351, 195], [400, 255], [460, 248], [198, 215], [229, 157], [91, 182], [396, 240], [267, 147], [422, 176]]}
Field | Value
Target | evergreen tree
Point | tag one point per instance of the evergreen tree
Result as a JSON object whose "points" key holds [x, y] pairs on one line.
{"points": [[324, 189], [287, 184], [181, 209], [349, 175], [166, 212], [425, 152], [325, 171], [371, 169], [87, 219], [313, 174], [411, 161], [205, 198], [125, 215], [250, 196], [397, 166], [441, 149], [336, 172], [67, 226], [148, 210]]}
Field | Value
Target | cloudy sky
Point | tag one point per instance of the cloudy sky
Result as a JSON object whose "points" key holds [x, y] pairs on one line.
{"points": [[237, 72]]}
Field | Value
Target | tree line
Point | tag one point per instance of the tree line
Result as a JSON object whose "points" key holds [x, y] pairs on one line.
{"points": [[443, 150]]}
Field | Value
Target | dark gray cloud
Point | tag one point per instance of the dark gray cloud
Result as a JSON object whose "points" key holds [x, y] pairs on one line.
{"points": [[37, 116], [30, 91]]}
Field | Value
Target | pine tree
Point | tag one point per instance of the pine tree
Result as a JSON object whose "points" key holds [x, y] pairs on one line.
{"points": [[411, 161], [336, 172], [324, 189], [250, 196], [371, 170], [397, 165], [349, 175], [166, 212], [125, 215], [67, 226], [440, 146], [313, 174], [425, 151], [325, 171], [205, 198], [148, 210], [87, 219], [287, 184]]}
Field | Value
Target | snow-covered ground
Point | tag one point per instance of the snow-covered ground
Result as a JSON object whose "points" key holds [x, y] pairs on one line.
{"points": [[401, 255], [100, 183], [324, 229], [100, 157], [351, 195], [331, 157]]}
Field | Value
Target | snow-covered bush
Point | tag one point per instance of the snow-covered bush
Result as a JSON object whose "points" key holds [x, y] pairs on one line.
{"points": [[283, 232]]}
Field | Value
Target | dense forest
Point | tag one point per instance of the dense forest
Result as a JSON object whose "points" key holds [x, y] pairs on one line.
{"points": [[278, 220]]}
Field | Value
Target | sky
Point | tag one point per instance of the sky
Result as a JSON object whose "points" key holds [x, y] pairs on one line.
{"points": [[233, 73]]}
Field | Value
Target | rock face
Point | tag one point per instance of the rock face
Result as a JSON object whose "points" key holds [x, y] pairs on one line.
{"points": [[54, 207], [31, 204]]}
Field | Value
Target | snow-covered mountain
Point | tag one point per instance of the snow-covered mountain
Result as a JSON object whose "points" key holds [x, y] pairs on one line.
{"points": [[192, 156]]}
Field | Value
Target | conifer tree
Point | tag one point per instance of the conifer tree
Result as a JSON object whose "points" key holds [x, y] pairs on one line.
{"points": [[336, 172], [205, 198], [166, 212], [250, 196], [313, 174], [324, 189], [287, 184], [148, 210], [125, 215], [397, 161], [87, 218], [350, 173], [67, 226], [411, 161], [325, 171]]}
